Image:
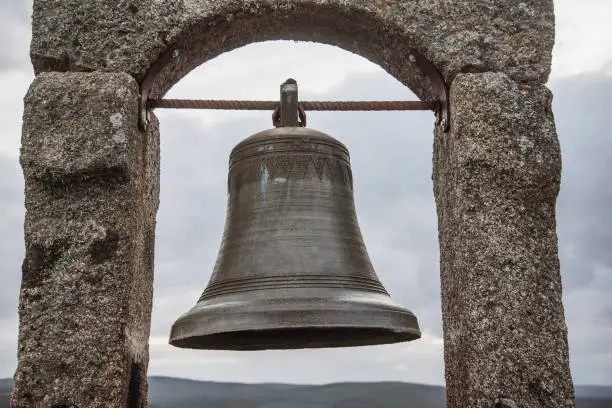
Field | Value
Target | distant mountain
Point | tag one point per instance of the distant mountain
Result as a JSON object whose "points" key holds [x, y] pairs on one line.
{"points": [[593, 391], [171, 392], [166, 392], [5, 391]]}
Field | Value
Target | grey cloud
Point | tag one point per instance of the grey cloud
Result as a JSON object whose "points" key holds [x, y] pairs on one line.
{"points": [[607, 316], [582, 111], [299, 366], [18, 9], [584, 219], [11, 226], [8, 360], [11, 255], [15, 17]]}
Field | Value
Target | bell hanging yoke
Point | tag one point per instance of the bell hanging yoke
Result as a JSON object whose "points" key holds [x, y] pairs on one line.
{"points": [[292, 270], [169, 59]]}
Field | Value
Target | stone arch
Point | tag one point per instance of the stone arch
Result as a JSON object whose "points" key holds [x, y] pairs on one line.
{"points": [[361, 30], [514, 38], [358, 30], [92, 179]]}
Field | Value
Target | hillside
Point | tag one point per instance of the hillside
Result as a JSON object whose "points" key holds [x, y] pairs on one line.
{"points": [[168, 392]]}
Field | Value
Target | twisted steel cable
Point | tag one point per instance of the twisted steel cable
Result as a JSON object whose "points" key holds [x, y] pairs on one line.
{"points": [[306, 105]]}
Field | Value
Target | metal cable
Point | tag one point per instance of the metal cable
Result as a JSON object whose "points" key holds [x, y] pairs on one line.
{"points": [[306, 105]]}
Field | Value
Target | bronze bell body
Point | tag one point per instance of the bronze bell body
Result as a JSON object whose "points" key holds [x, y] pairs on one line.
{"points": [[292, 270]]}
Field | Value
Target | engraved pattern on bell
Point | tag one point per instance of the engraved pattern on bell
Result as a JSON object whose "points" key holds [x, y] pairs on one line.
{"points": [[292, 270]]}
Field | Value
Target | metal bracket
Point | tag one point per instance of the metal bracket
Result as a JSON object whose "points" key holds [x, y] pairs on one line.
{"points": [[441, 89], [276, 115], [147, 85], [289, 112]]}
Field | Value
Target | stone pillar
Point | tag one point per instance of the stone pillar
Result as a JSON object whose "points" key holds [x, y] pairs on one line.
{"points": [[496, 180], [91, 195]]}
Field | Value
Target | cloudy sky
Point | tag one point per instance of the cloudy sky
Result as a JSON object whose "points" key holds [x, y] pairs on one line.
{"points": [[402, 242]]}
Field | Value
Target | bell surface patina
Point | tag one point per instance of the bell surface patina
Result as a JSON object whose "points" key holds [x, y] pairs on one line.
{"points": [[292, 271]]}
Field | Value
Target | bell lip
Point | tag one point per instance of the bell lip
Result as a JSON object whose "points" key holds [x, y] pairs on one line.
{"points": [[218, 341], [342, 324]]}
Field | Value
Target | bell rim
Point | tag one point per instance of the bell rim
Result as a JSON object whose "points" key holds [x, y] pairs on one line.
{"points": [[375, 321], [214, 341]]}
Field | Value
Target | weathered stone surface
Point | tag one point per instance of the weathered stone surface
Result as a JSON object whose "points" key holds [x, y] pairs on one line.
{"points": [[515, 37], [496, 180], [91, 199], [73, 132], [504, 403], [118, 35]]}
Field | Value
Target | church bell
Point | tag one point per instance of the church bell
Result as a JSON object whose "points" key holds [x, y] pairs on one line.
{"points": [[292, 271]]}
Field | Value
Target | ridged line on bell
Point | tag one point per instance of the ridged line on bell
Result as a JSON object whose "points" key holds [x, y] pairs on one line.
{"points": [[284, 282], [262, 148], [351, 245], [291, 143]]}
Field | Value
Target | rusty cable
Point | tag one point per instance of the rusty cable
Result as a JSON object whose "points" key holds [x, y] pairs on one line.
{"points": [[367, 105], [306, 105]]}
